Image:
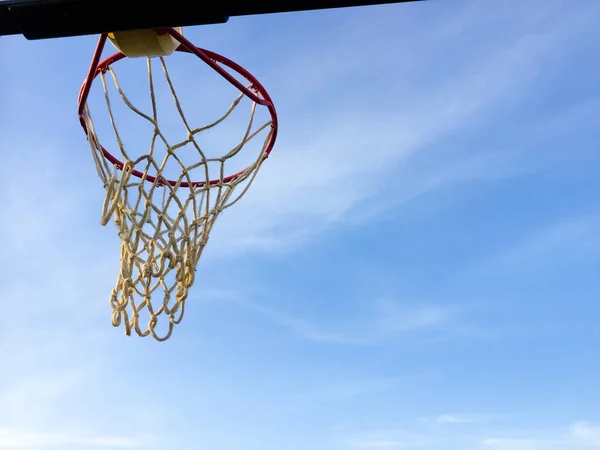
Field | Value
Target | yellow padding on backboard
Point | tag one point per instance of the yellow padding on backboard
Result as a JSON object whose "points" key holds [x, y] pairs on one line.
{"points": [[144, 43]]}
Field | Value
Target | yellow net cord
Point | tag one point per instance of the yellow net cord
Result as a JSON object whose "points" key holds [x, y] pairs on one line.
{"points": [[163, 228]]}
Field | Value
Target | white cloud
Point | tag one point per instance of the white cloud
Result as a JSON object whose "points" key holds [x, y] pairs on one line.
{"points": [[517, 444], [17, 439], [396, 317], [386, 320], [339, 163], [389, 440], [585, 432], [380, 443], [578, 436], [447, 418], [55, 340], [574, 239], [573, 235], [465, 418]]}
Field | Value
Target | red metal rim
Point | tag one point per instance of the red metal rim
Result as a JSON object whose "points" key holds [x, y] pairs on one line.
{"points": [[213, 60]]}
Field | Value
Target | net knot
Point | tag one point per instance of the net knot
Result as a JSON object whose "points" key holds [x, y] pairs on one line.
{"points": [[147, 270], [152, 322], [127, 166]]}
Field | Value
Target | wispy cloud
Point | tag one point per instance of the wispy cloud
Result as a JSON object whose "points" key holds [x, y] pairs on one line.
{"points": [[389, 440], [387, 320], [340, 163], [345, 392], [380, 443], [463, 419], [580, 435], [16, 439], [555, 244], [343, 388], [451, 418], [571, 236]]}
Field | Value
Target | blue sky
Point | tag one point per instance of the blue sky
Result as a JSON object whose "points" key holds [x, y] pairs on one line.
{"points": [[416, 266]]}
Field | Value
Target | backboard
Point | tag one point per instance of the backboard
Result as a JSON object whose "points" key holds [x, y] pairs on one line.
{"points": [[43, 19]]}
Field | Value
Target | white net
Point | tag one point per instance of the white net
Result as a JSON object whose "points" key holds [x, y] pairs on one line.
{"points": [[164, 224]]}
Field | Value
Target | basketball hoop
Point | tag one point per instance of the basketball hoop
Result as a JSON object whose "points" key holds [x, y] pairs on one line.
{"points": [[164, 223]]}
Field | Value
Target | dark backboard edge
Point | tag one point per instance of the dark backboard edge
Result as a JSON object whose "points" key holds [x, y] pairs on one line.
{"points": [[46, 19]]}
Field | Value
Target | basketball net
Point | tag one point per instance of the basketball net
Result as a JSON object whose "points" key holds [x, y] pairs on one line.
{"points": [[164, 224]]}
